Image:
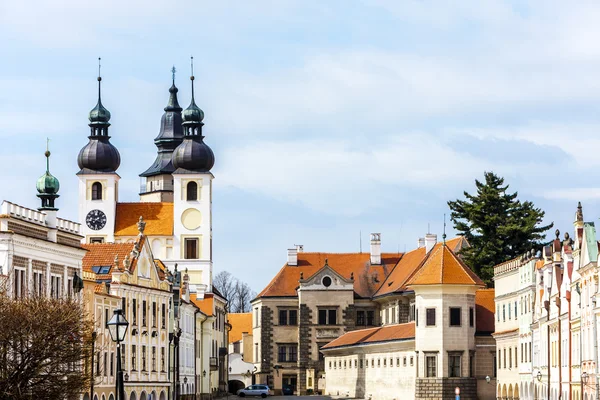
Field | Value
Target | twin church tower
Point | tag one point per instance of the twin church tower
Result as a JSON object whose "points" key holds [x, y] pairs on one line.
{"points": [[175, 193]]}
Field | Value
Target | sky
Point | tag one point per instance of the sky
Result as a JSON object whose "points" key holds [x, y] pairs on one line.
{"points": [[329, 119]]}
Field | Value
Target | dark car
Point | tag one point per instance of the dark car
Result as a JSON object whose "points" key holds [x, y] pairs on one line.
{"points": [[287, 390]]}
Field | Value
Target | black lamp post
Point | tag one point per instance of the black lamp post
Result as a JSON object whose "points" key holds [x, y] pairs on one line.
{"points": [[117, 326]]}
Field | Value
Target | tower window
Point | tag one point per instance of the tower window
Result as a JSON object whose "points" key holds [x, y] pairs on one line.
{"points": [[192, 191], [96, 191], [191, 248]]}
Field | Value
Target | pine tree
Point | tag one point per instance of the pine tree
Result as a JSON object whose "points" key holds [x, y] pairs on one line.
{"points": [[496, 224]]}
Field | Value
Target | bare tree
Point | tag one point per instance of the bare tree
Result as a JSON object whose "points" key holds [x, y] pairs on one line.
{"points": [[43, 345], [238, 294], [224, 282], [242, 296]]}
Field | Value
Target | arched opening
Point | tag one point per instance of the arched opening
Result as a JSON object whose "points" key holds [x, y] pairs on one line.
{"points": [[96, 191], [516, 393], [235, 385], [504, 391], [86, 397], [143, 396], [95, 397], [510, 392], [153, 395], [163, 395], [103, 397], [133, 396], [192, 191], [111, 397]]}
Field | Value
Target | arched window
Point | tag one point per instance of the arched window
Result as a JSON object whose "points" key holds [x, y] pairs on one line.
{"points": [[96, 191], [192, 191]]}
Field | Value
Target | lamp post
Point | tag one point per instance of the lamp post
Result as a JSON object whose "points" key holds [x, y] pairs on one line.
{"points": [[117, 327]]}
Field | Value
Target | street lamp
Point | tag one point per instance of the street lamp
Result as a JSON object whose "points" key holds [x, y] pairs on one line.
{"points": [[117, 327], [488, 379], [539, 376], [584, 378]]}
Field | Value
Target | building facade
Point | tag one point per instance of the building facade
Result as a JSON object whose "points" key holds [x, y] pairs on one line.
{"points": [[320, 307]]}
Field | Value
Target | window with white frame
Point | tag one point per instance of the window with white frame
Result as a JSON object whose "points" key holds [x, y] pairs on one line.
{"points": [[55, 286], [454, 360], [19, 283], [431, 365], [38, 282]]}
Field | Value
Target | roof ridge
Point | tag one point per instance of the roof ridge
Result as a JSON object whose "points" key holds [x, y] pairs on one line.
{"points": [[389, 274]]}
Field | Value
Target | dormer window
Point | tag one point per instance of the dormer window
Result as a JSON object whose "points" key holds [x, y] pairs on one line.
{"points": [[96, 191], [192, 191]]}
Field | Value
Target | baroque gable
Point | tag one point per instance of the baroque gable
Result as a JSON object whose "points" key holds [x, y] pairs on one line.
{"points": [[326, 279]]}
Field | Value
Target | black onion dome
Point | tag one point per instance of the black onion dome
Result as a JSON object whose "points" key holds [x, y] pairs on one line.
{"points": [[99, 155], [194, 155]]}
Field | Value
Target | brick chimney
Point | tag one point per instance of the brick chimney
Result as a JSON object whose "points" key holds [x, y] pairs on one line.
{"points": [[375, 248], [430, 241]]}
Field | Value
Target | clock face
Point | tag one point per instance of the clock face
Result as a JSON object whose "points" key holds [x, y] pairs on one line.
{"points": [[95, 220]]}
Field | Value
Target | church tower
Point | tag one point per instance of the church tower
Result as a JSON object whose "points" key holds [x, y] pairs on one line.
{"points": [[157, 181], [192, 204], [98, 161]]}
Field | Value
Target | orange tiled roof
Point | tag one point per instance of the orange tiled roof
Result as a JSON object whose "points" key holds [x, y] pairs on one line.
{"points": [[444, 267], [205, 305], [103, 254], [374, 335], [484, 309], [367, 277], [158, 218], [403, 270], [240, 322]]}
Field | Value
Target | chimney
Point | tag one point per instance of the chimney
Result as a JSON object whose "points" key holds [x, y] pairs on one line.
{"points": [[375, 248], [299, 247], [292, 258], [51, 223], [430, 241], [421, 243]]}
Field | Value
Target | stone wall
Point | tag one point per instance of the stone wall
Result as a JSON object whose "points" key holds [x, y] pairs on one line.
{"points": [[304, 342], [266, 338], [349, 318], [443, 388]]}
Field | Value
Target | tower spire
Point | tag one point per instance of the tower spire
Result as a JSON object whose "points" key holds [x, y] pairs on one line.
{"points": [[444, 234], [47, 185], [192, 77]]}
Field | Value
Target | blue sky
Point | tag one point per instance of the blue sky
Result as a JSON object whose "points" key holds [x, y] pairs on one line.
{"points": [[326, 118]]}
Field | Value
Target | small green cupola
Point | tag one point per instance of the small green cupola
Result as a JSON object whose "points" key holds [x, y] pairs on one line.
{"points": [[47, 186]]}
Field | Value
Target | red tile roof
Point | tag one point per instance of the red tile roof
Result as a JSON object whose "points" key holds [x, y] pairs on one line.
{"points": [[374, 335], [367, 277], [240, 323], [205, 305], [103, 254], [158, 218], [484, 309], [443, 267]]}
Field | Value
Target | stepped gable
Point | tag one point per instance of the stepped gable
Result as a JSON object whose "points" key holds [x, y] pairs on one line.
{"points": [[410, 263], [367, 277], [158, 218], [443, 267], [484, 311], [374, 335], [240, 323]]}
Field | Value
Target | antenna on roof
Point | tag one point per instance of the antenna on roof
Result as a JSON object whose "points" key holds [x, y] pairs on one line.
{"points": [[428, 230], [444, 235], [360, 240]]}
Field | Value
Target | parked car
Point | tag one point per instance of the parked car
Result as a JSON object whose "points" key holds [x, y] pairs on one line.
{"points": [[287, 390], [254, 390]]}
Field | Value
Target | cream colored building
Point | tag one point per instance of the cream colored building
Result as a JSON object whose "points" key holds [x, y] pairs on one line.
{"points": [[129, 272], [321, 309]]}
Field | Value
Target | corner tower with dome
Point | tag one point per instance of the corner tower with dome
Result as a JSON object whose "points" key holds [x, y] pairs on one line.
{"points": [[175, 191]]}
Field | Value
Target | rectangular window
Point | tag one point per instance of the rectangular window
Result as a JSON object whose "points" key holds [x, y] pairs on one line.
{"points": [[191, 248], [112, 364], [360, 318], [412, 361], [38, 282], [370, 318], [404, 362], [144, 313], [472, 365], [163, 316], [106, 318], [515, 309], [123, 357], [105, 363], [516, 357], [397, 361], [96, 240], [153, 359], [361, 363], [134, 312], [154, 314], [411, 312], [455, 316], [454, 365], [327, 316], [503, 312], [143, 358], [287, 353], [471, 317], [430, 312], [162, 359], [510, 358], [288, 317], [431, 366], [133, 357], [495, 366], [283, 317]]}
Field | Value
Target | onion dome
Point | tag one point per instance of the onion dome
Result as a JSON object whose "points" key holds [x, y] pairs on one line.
{"points": [[47, 186], [169, 137], [99, 155], [193, 155]]}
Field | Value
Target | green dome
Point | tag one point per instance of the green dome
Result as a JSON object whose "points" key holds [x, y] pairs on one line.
{"points": [[192, 114], [47, 184], [99, 114]]}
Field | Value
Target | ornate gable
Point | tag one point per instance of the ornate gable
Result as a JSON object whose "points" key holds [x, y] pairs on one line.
{"points": [[325, 279]]}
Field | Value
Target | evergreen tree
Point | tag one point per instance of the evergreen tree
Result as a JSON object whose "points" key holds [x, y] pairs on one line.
{"points": [[496, 224]]}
